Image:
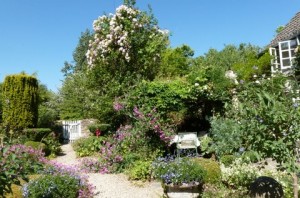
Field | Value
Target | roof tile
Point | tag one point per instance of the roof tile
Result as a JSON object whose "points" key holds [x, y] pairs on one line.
{"points": [[291, 30]]}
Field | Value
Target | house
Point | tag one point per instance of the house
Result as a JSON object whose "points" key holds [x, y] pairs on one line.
{"points": [[283, 46]]}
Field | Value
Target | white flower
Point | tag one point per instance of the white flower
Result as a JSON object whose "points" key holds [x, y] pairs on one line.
{"points": [[230, 74], [196, 84]]}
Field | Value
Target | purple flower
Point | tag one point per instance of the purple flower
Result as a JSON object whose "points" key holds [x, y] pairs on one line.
{"points": [[118, 106]]}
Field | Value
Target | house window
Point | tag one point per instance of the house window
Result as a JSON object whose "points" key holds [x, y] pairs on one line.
{"points": [[275, 61], [287, 53]]}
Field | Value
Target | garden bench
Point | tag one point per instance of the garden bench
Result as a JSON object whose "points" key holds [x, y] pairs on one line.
{"points": [[186, 140]]}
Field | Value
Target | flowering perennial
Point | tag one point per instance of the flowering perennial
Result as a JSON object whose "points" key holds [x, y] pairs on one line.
{"points": [[114, 33]]}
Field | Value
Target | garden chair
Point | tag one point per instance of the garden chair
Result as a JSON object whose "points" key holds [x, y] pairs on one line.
{"points": [[186, 140]]}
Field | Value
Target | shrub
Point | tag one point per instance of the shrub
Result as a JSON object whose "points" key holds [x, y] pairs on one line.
{"points": [[37, 145], [250, 156], [16, 190], [205, 143], [58, 181], [239, 175], [141, 170], [16, 163], [213, 171], [20, 101], [37, 134], [52, 144], [52, 186], [227, 160], [227, 135], [88, 146], [102, 127]]}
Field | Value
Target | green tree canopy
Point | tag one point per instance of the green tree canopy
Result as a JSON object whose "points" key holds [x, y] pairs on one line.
{"points": [[176, 62]]}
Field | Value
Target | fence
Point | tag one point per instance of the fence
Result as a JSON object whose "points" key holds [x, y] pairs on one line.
{"points": [[71, 130]]}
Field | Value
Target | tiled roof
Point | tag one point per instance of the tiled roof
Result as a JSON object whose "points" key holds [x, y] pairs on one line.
{"points": [[291, 30]]}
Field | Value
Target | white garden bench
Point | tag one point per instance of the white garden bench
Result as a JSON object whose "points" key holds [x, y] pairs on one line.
{"points": [[186, 140]]}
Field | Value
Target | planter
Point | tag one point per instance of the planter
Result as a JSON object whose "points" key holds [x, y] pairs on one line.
{"points": [[183, 191]]}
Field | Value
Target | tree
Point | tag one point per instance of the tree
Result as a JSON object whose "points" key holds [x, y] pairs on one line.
{"points": [[20, 101], [48, 107], [127, 43], [78, 99], [176, 62]]}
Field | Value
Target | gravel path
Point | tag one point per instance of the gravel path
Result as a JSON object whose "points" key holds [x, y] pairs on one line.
{"points": [[112, 185]]}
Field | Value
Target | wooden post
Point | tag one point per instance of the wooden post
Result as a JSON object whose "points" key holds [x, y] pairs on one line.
{"points": [[295, 185]]}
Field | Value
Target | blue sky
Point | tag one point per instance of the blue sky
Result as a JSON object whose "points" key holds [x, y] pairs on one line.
{"points": [[38, 36]]}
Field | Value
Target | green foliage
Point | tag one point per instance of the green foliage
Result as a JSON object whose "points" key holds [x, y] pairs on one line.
{"points": [[227, 136], [178, 102], [166, 96], [178, 171], [37, 134], [20, 101], [140, 170], [210, 79], [88, 146], [250, 156], [43, 136], [48, 107], [227, 160], [77, 99], [239, 175], [79, 95], [17, 189], [102, 127], [253, 65], [213, 171], [205, 142], [91, 93], [36, 145], [52, 145], [16, 163], [265, 119], [56, 186], [176, 62]]}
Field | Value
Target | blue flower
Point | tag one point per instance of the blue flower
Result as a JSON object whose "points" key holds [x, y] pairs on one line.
{"points": [[242, 149]]}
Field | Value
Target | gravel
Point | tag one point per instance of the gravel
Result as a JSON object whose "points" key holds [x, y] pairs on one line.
{"points": [[112, 185]]}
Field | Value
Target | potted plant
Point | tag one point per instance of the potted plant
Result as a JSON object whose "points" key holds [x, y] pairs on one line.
{"points": [[180, 177]]}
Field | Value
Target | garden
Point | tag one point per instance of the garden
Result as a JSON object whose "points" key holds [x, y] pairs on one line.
{"points": [[142, 92]]}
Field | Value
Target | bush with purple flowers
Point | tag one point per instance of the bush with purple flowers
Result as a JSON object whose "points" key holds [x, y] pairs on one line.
{"points": [[17, 162], [59, 181]]}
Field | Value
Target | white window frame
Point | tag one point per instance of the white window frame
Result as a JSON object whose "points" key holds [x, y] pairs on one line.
{"points": [[274, 61], [290, 57]]}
